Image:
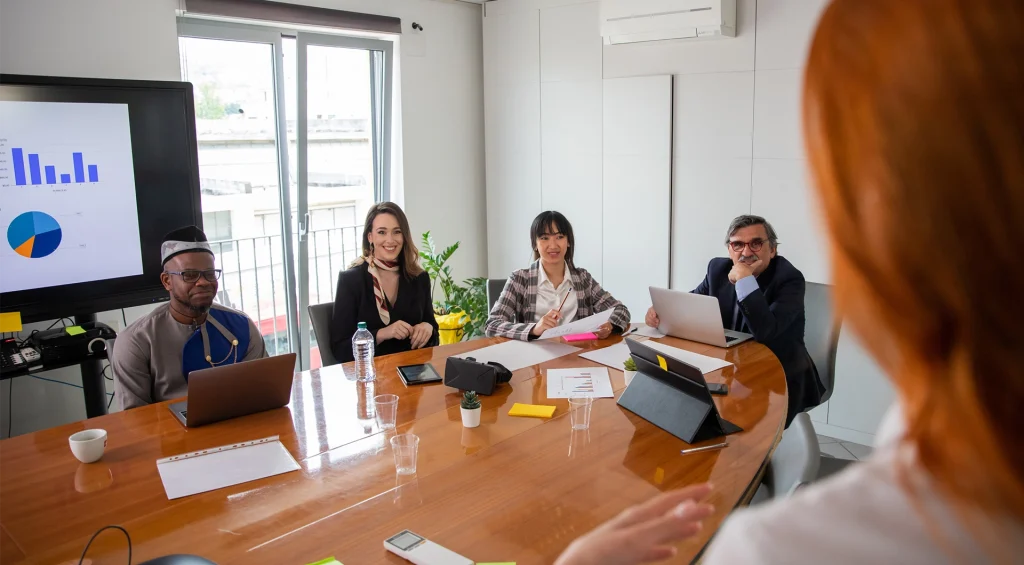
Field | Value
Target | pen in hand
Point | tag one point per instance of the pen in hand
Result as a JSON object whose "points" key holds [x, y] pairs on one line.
{"points": [[559, 309]]}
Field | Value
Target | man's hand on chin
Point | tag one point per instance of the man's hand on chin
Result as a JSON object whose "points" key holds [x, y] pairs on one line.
{"points": [[742, 270]]}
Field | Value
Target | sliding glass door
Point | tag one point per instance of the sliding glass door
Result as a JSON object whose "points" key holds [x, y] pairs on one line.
{"points": [[294, 137]]}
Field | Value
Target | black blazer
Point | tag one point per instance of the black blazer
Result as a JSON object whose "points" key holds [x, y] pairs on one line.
{"points": [[354, 303], [774, 314]]}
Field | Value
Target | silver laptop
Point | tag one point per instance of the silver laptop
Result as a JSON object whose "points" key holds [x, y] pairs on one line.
{"points": [[694, 317]]}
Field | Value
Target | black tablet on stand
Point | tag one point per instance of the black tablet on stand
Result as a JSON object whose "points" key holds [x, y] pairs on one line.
{"points": [[676, 400]]}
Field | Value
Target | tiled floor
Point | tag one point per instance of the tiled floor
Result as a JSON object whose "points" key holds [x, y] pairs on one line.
{"points": [[843, 449]]}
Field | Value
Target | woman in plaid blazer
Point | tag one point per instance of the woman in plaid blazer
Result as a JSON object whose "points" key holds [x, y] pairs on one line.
{"points": [[553, 290]]}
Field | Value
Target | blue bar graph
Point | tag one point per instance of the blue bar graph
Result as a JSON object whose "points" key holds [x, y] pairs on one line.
{"points": [[33, 168], [79, 167], [19, 166]]}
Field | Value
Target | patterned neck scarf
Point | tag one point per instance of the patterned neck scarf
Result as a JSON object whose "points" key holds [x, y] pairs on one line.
{"points": [[374, 266]]}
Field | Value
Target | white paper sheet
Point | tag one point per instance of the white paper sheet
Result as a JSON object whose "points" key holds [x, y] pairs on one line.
{"points": [[193, 473], [703, 362], [644, 329], [590, 381], [588, 324], [615, 355], [518, 354]]}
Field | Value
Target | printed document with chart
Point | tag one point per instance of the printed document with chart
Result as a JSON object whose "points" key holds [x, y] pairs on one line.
{"points": [[585, 381]]}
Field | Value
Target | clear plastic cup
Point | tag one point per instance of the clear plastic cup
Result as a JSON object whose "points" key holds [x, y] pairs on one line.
{"points": [[579, 411], [386, 408], [405, 448]]}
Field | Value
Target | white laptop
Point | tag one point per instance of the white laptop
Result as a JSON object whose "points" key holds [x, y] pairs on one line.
{"points": [[694, 317]]}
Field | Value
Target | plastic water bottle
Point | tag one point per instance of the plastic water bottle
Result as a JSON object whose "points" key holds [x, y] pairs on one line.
{"points": [[362, 351]]}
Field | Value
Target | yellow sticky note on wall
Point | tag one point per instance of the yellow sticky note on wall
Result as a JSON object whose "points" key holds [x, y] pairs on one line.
{"points": [[663, 363], [10, 322]]}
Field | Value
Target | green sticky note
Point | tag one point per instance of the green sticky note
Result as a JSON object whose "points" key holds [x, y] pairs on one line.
{"points": [[74, 330], [328, 561]]}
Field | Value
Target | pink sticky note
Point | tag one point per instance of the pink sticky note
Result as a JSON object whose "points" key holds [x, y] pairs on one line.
{"points": [[580, 337]]}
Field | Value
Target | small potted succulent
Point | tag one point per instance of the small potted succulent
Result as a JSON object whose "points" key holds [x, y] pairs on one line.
{"points": [[630, 370], [470, 409]]}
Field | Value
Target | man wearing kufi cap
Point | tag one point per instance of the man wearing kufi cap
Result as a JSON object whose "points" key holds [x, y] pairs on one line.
{"points": [[153, 357]]}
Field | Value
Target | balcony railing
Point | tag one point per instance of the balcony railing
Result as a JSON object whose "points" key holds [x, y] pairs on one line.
{"points": [[253, 278]]}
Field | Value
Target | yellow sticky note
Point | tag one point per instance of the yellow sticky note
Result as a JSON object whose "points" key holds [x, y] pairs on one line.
{"points": [[659, 476], [328, 561], [532, 410], [663, 363], [10, 322], [74, 330]]}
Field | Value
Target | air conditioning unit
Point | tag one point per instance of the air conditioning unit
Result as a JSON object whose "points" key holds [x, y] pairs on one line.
{"points": [[634, 21]]}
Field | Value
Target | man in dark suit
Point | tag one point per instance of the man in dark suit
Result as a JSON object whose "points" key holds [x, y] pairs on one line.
{"points": [[761, 293]]}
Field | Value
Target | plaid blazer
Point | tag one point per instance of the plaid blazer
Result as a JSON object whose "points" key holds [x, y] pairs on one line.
{"points": [[516, 308]]}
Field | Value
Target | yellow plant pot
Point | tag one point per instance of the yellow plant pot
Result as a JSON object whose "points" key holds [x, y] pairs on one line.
{"points": [[452, 326]]}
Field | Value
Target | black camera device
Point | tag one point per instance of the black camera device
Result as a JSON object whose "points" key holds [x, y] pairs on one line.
{"points": [[469, 374], [67, 345]]}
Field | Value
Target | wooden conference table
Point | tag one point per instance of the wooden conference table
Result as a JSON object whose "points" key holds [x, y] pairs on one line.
{"points": [[513, 489]]}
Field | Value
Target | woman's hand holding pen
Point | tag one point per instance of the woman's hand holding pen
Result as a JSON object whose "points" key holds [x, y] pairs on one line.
{"points": [[550, 320]]}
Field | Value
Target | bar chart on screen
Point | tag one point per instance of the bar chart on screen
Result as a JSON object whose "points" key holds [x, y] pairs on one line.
{"points": [[31, 174], [68, 203]]}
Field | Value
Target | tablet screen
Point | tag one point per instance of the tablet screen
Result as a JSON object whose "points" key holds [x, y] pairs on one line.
{"points": [[419, 374]]}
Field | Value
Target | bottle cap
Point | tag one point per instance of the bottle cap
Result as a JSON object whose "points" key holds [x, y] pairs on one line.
{"points": [[361, 326]]}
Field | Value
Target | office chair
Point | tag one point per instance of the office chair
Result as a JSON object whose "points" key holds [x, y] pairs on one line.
{"points": [[494, 288], [797, 459], [320, 316], [821, 336]]}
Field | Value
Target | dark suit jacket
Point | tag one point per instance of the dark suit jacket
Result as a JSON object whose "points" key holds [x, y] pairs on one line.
{"points": [[775, 315], [354, 303]]}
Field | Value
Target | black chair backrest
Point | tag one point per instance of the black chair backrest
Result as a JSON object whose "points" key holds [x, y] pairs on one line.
{"points": [[821, 333], [494, 288], [320, 316]]}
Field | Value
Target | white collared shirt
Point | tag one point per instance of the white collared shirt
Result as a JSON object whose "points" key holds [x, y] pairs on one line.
{"points": [[549, 297], [865, 514]]}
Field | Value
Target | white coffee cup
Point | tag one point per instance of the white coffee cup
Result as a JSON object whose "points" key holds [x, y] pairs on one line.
{"points": [[88, 446]]}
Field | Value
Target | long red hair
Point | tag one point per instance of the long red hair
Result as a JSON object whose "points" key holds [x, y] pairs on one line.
{"points": [[914, 125]]}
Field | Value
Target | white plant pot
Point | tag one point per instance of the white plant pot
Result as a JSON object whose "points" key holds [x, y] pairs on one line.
{"points": [[629, 376], [470, 418]]}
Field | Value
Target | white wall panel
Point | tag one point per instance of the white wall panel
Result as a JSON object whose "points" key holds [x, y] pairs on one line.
{"points": [[571, 117], [777, 114], [781, 193], [570, 41], [512, 48], [707, 195], [512, 133], [714, 115], [784, 32], [637, 188], [571, 162]]}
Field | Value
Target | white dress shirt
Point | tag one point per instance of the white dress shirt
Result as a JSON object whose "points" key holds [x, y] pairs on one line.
{"points": [[549, 297], [862, 515]]}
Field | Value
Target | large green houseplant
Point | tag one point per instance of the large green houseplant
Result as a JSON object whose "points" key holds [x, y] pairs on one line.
{"points": [[469, 298]]}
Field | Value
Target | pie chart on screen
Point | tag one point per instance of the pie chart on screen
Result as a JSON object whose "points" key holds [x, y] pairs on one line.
{"points": [[34, 235]]}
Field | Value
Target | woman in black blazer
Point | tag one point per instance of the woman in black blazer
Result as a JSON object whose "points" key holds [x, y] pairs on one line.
{"points": [[386, 288]]}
